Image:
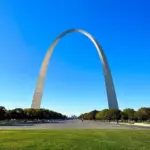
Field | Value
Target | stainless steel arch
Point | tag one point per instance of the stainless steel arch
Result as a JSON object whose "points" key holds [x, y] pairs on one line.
{"points": [[111, 94]]}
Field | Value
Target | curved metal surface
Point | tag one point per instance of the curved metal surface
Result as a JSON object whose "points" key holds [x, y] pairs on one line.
{"points": [[111, 94]]}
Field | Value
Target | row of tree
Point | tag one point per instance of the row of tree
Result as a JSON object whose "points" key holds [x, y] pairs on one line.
{"points": [[128, 114], [29, 114]]}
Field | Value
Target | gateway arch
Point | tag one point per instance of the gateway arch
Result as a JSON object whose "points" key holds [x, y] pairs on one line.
{"points": [[110, 90]]}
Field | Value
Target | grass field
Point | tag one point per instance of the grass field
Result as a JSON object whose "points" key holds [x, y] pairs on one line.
{"points": [[74, 140]]}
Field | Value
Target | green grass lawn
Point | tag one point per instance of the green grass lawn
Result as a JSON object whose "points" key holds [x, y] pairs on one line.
{"points": [[74, 139]]}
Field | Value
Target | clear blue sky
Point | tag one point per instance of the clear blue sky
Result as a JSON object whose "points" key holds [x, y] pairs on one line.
{"points": [[75, 81]]}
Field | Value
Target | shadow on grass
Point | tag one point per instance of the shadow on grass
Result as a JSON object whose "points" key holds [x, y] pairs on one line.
{"points": [[15, 124], [28, 123]]}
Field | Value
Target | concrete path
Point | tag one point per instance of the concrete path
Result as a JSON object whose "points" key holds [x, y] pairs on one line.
{"points": [[137, 124], [74, 124]]}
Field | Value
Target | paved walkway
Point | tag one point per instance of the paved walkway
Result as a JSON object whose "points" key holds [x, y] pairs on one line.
{"points": [[73, 124]]}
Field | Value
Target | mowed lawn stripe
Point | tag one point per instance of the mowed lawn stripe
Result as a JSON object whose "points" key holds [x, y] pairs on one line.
{"points": [[74, 139]]}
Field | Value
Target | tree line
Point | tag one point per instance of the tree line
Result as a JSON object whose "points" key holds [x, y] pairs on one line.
{"points": [[29, 114], [128, 114]]}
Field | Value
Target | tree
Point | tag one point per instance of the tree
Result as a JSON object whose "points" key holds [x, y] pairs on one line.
{"points": [[124, 116], [89, 116], [129, 113], [8, 114], [114, 114], [143, 114], [2, 112], [86, 116], [30, 113], [92, 115], [102, 115], [81, 116], [17, 113]]}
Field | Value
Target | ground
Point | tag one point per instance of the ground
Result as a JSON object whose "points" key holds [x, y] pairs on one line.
{"points": [[74, 135], [72, 124]]}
